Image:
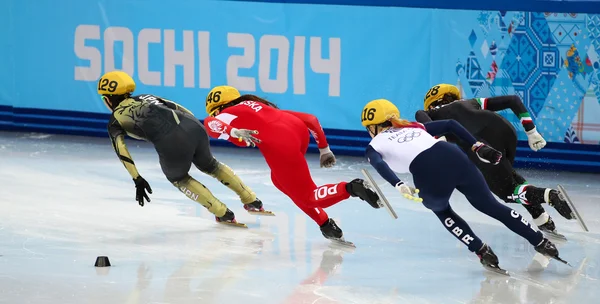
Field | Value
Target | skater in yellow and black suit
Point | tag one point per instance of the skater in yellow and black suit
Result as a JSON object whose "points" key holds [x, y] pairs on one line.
{"points": [[179, 139]]}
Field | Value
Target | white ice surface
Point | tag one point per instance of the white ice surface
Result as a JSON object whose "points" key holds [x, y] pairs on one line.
{"points": [[66, 200]]}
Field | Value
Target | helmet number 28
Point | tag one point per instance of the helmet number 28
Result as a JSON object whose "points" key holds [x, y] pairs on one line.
{"points": [[432, 92], [368, 114], [112, 85]]}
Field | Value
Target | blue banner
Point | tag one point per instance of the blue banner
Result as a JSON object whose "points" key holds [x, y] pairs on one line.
{"points": [[328, 60]]}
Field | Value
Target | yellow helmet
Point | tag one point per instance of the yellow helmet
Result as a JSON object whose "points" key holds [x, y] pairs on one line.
{"points": [[220, 96], [115, 83], [378, 111], [437, 92]]}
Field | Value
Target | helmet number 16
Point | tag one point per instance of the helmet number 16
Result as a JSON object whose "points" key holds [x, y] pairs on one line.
{"points": [[368, 114]]}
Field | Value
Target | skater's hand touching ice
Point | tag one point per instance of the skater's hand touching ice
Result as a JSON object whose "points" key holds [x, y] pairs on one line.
{"points": [[408, 192], [486, 153], [535, 139], [327, 158], [246, 136], [141, 186]]}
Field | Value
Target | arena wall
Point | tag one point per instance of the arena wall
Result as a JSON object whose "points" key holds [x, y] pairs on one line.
{"points": [[323, 57]]}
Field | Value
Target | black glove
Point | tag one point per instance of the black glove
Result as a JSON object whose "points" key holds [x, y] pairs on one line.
{"points": [[486, 153], [141, 186]]}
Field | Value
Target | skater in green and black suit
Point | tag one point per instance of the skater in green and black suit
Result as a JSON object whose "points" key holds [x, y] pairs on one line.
{"points": [[478, 116], [179, 139]]}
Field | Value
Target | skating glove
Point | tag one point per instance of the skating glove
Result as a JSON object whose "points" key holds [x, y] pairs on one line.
{"points": [[246, 136], [535, 139], [327, 157], [408, 192], [141, 186], [486, 153]]}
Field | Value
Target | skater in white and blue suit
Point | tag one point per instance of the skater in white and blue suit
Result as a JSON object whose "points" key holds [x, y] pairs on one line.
{"points": [[438, 168]]}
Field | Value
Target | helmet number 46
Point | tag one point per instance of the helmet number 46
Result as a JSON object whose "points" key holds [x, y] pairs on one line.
{"points": [[368, 114], [112, 85], [213, 97]]}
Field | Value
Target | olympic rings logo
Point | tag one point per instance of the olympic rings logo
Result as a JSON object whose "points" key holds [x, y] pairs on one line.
{"points": [[408, 136]]}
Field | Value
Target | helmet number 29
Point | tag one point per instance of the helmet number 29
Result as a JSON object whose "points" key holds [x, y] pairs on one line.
{"points": [[213, 97], [432, 92], [368, 114], [112, 85]]}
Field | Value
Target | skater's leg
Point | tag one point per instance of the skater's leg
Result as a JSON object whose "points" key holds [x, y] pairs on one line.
{"points": [[205, 162], [328, 226], [510, 187], [473, 186], [317, 214], [459, 229], [291, 172], [177, 174], [175, 154]]}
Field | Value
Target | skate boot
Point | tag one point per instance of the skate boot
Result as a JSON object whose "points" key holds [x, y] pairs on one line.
{"points": [[549, 226], [330, 230], [556, 200], [548, 249], [256, 208], [489, 260], [358, 188], [228, 217]]}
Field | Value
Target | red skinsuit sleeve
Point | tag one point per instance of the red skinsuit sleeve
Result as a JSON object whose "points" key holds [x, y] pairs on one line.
{"points": [[216, 128], [313, 125]]}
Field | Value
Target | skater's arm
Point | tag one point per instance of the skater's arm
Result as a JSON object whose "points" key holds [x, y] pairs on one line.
{"points": [[440, 127], [381, 166], [313, 125], [216, 128], [117, 137], [513, 102], [422, 117]]}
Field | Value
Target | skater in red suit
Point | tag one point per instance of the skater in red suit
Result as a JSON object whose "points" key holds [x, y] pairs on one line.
{"points": [[283, 137]]}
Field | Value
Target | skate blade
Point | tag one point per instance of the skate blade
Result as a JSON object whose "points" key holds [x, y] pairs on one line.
{"points": [[562, 261], [343, 242], [241, 225], [383, 202], [265, 213], [496, 270], [574, 211], [555, 235]]}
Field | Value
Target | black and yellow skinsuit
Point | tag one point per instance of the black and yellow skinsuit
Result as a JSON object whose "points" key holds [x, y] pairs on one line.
{"points": [[479, 117], [178, 137]]}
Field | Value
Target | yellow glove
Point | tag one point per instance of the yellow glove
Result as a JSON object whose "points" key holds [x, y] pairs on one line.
{"points": [[408, 192]]}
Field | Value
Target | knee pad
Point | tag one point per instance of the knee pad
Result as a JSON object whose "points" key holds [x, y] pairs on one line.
{"points": [[178, 182], [174, 179], [209, 167]]}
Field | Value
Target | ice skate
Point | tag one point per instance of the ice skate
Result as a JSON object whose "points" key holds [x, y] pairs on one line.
{"points": [[229, 219], [358, 188], [256, 208], [489, 260], [549, 229], [559, 203], [331, 231], [548, 249], [562, 194]]}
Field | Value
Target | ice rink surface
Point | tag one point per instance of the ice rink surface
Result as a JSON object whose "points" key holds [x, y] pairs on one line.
{"points": [[66, 200]]}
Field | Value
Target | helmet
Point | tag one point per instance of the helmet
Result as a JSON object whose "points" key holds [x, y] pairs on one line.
{"points": [[115, 83], [220, 96], [437, 92], [378, 111]]}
